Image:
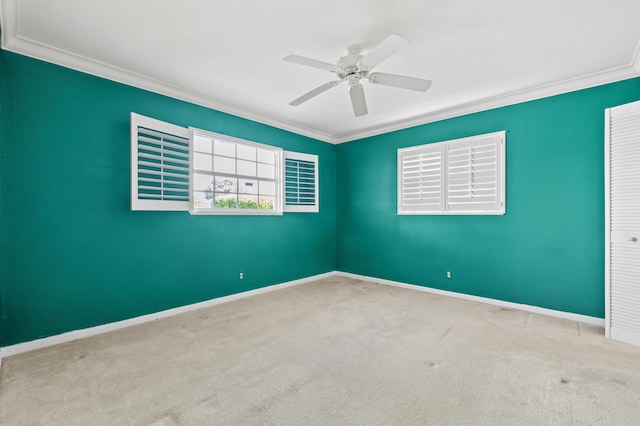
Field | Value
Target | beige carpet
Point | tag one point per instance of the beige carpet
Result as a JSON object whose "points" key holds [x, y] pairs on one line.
{"points": [[334, 352]]}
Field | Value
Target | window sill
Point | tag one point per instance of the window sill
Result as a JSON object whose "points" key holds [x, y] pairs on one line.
{"points": [[234, 212]]}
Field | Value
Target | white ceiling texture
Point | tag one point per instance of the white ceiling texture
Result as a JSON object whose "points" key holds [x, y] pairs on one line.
{"points": [[228, 54]]}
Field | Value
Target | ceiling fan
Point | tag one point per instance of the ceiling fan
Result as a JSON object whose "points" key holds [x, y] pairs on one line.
{"points": [[354, 66]]}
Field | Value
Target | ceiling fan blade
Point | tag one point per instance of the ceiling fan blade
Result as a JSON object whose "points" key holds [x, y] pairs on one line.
{"points": [[358, 101], [302, 60], [314, 92], [382, 51], [400, 81]]}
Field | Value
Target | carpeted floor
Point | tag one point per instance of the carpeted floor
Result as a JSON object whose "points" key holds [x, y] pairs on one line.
{"points": [[333, 352]]}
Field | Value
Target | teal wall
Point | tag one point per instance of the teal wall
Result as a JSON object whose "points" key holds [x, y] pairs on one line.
{"points": [[548, 250], [72, 253], [2, 138]]}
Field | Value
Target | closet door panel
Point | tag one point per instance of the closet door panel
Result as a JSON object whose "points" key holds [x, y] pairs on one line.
{"points": [[623, 224]]}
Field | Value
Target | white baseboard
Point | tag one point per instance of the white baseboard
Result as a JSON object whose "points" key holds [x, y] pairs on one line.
{"points": [[534, 309], [105, 328]]}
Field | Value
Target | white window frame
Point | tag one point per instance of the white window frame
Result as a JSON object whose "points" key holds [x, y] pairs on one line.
{"points": [[278, 172], [161, 135], [445, 205], [302, 208]]}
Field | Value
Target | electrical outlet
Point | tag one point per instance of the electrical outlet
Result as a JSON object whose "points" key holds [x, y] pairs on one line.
{"points": [[241, 275], [448, 274]]}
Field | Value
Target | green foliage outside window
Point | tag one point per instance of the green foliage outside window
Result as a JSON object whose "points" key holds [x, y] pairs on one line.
{"points": [[243, 203]]}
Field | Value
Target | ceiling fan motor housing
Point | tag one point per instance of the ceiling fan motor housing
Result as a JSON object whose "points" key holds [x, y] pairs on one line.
{"points": [[349, 66]]}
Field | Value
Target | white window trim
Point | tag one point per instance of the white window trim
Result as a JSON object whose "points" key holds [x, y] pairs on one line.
{"points": [[278, 210], [315, 208], [500, 208]]}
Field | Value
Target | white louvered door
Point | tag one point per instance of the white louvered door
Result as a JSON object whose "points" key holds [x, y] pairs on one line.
{"points": [[622, 198]]}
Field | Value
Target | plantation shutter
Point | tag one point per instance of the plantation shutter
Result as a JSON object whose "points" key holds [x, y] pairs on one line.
{"points": [[475, 174], [301, 182], [462, 176], [421, 179], [622, 191], [159, 165]]}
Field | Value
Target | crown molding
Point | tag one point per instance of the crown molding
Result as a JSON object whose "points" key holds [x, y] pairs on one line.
{"points": [[11, 41], [511, 98], [66, 59]]}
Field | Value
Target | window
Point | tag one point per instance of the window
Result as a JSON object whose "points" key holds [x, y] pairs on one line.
{"points": [[233, 175], [301, 183], [462, 176], [175, 168]]}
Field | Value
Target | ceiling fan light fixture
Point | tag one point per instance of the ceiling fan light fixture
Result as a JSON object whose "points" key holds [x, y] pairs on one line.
{"points": [[354, 66]]}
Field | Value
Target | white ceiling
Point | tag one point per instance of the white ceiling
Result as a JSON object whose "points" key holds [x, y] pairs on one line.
{"points": [[227, 54]]}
